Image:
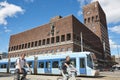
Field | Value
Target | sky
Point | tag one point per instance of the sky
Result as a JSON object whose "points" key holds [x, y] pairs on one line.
{"points": [[20, 15]]}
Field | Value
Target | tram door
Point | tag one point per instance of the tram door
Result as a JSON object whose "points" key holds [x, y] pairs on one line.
{"points": [[82, 66], [47, 67]]}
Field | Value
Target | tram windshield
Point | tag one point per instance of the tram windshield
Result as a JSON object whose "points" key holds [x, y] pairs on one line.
{"points": [[89, 61]]}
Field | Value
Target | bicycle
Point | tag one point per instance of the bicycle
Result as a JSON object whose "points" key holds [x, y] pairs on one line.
{"points": [[70, 75], [13, 72]]}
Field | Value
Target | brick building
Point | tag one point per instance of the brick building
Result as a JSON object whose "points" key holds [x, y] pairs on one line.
{"points": [[64, 34], [95, 20]]}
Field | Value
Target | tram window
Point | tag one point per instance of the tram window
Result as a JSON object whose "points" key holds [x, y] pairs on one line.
{"points": [[55, 64], [30, 64], [12, 65], [82, 63], [41, 64], [47, 65], [73, 62], [3, 66]]}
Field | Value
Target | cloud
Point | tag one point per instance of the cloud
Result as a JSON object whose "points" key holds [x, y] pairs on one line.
{"points": [[6, 30], [115, 29], [8, 10], [82, 3], [113, 45], [111, 8]]}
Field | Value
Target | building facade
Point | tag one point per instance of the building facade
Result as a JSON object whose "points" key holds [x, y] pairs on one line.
{"points": [[59, 35]]}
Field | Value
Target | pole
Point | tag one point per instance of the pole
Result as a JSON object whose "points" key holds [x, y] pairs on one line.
{"points": [[118, 53], [81, 41]]}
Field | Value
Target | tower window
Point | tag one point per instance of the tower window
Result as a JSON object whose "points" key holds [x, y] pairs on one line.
{"points": [[92, 19], [84, 20], [88, 20], [96, 17]]}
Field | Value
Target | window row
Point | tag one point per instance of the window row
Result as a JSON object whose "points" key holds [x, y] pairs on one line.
{"points": [[91, 19], [47, 41], [44, 51], [55, 64]]}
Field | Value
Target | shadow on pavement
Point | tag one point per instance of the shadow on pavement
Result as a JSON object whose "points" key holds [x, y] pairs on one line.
{"points": [[5, 75]]}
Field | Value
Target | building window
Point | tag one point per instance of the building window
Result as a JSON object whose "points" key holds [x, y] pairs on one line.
{"points": [[68, 37], [22, 46], [57, 39], [13, 48], [39, 44], [32, 44], [36, 43], [74, 37], [84, 20], [29, 45], [52, 30], [48, 40], [19, 46], [43, 43], [62, 38], [96, 17], [52, 40], [92, 19], [25, 45]]}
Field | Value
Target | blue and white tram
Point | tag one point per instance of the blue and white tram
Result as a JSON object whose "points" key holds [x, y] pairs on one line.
{"points": [[49, 64], [3, 65], [12, 63], [30, 61]]}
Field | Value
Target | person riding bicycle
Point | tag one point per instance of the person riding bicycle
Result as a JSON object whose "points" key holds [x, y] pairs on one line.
{"points": [[20, 64], [65, 65]]}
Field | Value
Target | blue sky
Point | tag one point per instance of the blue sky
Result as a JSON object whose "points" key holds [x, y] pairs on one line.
{"points": [[20, 15]]}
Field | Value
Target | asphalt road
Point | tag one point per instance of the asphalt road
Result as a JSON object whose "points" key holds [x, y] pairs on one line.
{"points": [[103, 76]]}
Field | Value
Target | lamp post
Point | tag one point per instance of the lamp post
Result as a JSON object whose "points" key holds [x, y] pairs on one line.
{"points": [[81, 39]]}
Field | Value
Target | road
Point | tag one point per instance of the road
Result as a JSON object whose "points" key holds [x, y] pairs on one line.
{"points": [[103, 76]]}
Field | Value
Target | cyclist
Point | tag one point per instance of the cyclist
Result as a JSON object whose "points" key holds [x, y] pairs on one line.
{"points": [[65, 65], [20, 64]]}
